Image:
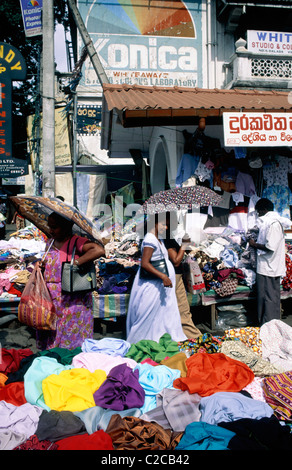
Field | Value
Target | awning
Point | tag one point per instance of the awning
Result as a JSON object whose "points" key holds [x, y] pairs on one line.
{"points": [[139, 106]]}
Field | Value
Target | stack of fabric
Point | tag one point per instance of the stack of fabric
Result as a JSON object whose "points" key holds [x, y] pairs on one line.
{"points": [[226, 261], [217, 393], [115, 276], [17, 258]]}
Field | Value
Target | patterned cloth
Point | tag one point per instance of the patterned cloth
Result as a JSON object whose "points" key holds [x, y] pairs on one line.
{"points": [[248, 335], [33, 443], [228, 287], [281, 196], [110, 306], [204, 343], [240, 352], [276, 172], [287, 280], [74, 312], [278, 394]]}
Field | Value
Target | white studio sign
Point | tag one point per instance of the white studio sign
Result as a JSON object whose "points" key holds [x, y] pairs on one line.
{"points": [[271, 42], [257, 129]]}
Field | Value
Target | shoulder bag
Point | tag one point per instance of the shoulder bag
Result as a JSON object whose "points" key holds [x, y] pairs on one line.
{"points": [[78, 278], [36, 308], [159, 264]]}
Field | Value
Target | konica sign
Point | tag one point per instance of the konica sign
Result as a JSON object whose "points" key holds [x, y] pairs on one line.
{"points": [[143, 43], [32, 17]]}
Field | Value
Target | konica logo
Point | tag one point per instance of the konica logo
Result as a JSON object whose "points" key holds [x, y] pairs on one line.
{"points": [[162, 54]]}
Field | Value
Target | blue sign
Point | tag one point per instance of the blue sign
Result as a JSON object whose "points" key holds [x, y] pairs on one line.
{"points": [[32, 16]]}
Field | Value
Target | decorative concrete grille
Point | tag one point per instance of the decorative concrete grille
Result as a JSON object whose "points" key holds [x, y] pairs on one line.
{"points": [[276, 68]]}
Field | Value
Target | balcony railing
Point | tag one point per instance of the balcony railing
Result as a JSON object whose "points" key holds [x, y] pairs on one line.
{"points": [[258, 70]]}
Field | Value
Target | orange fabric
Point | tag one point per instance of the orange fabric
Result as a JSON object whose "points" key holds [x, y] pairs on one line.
{"points": [[13, 393], [211, 373], [3, 379]]}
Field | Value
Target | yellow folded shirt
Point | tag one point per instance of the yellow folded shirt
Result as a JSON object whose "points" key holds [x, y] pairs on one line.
{"points": [[73, 389]]}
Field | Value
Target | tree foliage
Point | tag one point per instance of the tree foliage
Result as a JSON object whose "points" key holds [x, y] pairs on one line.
{"points": [[25, 95]]}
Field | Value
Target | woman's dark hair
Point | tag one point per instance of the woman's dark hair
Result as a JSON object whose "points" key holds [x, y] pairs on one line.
{"points": [[61, 221], [264, 205]]}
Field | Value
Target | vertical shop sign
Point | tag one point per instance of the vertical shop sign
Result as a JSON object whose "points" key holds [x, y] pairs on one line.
{"points": [[12, 67], [32, 16]]}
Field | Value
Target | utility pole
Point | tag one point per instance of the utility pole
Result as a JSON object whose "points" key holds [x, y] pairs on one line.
{"points": [[48, 93], [97, 65], [100, 72]]}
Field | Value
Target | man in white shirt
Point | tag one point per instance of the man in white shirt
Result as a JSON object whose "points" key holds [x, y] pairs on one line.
{"points": [[271, 265]]}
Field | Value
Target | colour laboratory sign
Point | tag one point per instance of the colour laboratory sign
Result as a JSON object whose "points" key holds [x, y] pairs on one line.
{"points": [[155, 43], [12, 67], [257, 129]]}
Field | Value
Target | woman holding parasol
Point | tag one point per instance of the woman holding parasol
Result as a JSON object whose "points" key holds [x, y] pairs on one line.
{"points": [[73, 311]]}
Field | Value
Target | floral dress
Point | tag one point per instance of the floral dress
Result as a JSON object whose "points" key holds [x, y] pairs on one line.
{"points": [[73, 311]]}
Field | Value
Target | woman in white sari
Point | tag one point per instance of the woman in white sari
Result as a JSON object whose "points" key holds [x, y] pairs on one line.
{"points": [[153, 309]]}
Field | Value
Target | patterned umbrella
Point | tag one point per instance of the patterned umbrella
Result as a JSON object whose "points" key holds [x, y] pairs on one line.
{"points": [[180, 198], [36, 209]]}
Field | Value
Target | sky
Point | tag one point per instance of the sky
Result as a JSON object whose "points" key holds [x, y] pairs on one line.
{"points": [[60, 49]]}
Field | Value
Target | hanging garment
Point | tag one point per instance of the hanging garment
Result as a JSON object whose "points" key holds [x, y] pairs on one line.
{"points": [[281, 197], [245, 184], [186, 168], [276, 171]]}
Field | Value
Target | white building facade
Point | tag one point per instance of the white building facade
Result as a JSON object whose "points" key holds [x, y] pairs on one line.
{"points": [[187, 44]]}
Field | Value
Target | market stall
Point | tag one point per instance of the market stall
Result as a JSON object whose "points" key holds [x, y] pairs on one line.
{"points": [[17, 258]]}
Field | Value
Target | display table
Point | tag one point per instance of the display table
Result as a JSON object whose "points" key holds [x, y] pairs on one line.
{"points": [[109, 307], [211, 298]]}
